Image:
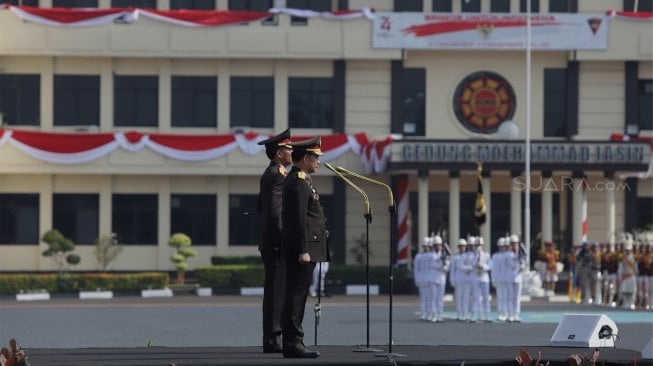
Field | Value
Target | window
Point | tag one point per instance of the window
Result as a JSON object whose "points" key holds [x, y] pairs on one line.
{"points": [[559, 6], [135, 218], [414, 102], [500, 6], [74, 3], [22, 2], [642, 5], [19, 218], [243, 229], [645, 104], [20, 99], [315, 5], [133, 3], [470, 6], [644, 212], [408, 5], [76, 100], [194, 215], [136, 101], [192, 4], [76, 216], [442, 6], [194, 100], [535, 6], [310, 102], [555, 102], [252, 101], [254, 5]]}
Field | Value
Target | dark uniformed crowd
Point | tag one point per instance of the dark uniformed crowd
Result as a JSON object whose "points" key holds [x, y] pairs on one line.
{"points": [[293, 240], [619, 274]]}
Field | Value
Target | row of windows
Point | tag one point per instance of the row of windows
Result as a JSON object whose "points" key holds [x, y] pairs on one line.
{"points": [[235, 5], [474, 6], [496, 6], [134, 217], [193, 102]]}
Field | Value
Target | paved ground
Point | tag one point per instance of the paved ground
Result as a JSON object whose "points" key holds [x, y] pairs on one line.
{"points": [[234, 321]]}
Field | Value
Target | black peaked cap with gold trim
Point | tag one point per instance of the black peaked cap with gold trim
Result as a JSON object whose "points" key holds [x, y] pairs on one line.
{"points": [[312, 146], [278, 141]]}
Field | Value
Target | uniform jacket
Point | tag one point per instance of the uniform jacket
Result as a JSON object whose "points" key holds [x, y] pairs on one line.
{"points": [[304, 225], [269, 207]]}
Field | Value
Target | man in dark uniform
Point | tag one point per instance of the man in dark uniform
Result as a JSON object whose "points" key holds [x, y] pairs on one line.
{"points": [[303, 242], [278, 150]]}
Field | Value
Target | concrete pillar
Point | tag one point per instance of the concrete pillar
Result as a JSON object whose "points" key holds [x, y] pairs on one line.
{"points": [[454, 209], [577, 210], [45, 220], [610, 211], [224, 94], [281, 94], [106, 94], [486, 231], [164, 250], [518, 187], [422, 206], [165, 96], [547, 208]]}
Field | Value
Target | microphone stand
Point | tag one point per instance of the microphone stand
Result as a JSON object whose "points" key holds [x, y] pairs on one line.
{"points": [[392, 208], [368, 219]]}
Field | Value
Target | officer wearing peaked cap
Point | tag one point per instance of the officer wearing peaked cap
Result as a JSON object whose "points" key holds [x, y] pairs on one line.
{"points": [[278, 150], [303, 242]]}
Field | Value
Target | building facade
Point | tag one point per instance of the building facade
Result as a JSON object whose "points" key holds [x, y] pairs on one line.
{"points": [[166, 84]]}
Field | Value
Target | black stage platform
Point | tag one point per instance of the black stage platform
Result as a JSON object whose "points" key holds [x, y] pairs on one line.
{"points": [[330, 355]]}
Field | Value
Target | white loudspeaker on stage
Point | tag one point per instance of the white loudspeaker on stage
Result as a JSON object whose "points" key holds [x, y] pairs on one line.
{"points": [[585, 330], [647, 352]]}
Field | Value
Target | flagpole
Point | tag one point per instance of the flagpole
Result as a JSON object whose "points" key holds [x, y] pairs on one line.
{"points": [[527, 203]]}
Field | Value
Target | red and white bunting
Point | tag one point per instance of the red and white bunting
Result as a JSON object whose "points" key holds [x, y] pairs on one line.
{"points": [[630, 15], [86, 17], [79, 148]]}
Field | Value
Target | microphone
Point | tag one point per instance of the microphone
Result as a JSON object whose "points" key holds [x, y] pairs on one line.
{"points": [[391, 199], [366, 201]]}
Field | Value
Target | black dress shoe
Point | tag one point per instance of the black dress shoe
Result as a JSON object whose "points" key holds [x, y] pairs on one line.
{"points": [[299, 353], [274, 348]]}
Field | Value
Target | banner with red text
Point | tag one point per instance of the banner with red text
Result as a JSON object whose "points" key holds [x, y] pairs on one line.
{"points": [[492, 31]]}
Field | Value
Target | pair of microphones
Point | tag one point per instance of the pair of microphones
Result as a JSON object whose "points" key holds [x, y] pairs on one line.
{"points": [[339, 171]]}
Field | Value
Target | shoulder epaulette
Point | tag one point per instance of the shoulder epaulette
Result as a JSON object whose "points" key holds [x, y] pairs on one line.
{"points": [[282, 170], [301, 175]]}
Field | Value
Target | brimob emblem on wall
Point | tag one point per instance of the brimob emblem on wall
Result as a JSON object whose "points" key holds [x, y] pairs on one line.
{"points": [[483, 100]]}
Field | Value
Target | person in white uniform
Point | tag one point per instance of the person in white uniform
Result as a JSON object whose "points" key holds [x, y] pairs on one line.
{"points": [[468, 278], [456, 276], [439, 265], [515, 266], [319, 277], [627, 274], [498, 277], [420, 276], [480, 282]]}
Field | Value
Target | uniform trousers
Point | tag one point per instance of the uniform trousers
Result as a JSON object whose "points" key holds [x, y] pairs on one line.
{"points": [[462, 306], [438, 299], [481, 299], [273, 295], [500, 288], [514, 300], [426, 298], [611, 287], [298, 280]]}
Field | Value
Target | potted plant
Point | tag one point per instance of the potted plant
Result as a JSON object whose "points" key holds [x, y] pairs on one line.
{"points": [[181, 242]]}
